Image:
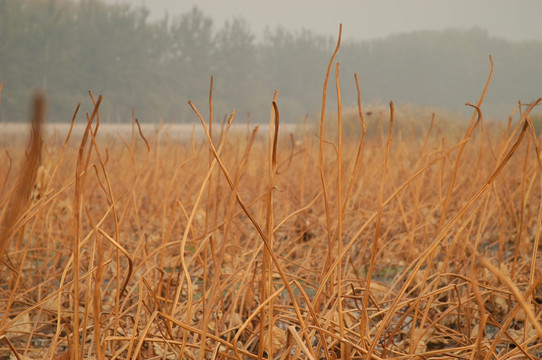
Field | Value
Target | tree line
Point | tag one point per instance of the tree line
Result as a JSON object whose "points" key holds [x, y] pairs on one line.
{"points": [[66, 48]]}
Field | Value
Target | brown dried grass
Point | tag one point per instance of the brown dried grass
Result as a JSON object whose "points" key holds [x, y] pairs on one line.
{"points": [[241, 247]]}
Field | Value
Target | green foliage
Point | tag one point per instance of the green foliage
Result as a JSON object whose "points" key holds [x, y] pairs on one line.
{"points": [[66, 48]]}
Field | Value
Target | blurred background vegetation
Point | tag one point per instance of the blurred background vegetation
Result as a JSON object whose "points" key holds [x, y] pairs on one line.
{"points": [[66, 48]]}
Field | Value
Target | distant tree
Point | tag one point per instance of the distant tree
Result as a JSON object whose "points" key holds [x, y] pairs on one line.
{"points": [[186, 65], [30, 35], [296, 63], [240, 81], [114, 54], [67, 47]]}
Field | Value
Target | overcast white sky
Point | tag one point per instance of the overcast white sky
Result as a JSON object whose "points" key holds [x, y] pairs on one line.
{"points": [[367, 19]]}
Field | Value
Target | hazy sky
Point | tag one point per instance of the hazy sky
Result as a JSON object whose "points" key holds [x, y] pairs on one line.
{"points": [[367, 19]]}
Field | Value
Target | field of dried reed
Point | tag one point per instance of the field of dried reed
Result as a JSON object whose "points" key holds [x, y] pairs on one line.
{"points": [[379, 242]]}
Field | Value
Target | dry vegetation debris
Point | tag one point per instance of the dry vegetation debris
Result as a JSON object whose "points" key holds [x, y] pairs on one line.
{"points": [[247, 246]]}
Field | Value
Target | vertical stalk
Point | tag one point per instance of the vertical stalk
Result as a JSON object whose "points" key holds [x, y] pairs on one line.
{"points": [[340, 211], [329, 259]]}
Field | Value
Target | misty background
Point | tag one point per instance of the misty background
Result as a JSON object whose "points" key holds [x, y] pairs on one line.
{"points": [[155, 56]]}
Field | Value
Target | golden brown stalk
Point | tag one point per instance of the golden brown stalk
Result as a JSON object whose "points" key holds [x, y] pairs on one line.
{"points": [[329, 259], [20, 201]]}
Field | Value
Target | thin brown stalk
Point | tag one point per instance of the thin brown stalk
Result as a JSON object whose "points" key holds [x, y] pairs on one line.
{"points": [[258, 229], [470, 130], [142, 136], [380, 204], [205, 305], [185, 237], [359, 155], [340, 210], [20, 200], [329, 258], [80, 176]]}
